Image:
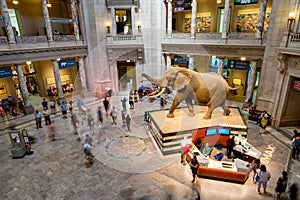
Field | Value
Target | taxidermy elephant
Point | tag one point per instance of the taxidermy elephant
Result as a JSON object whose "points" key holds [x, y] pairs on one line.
{"points": [[209, 89]]}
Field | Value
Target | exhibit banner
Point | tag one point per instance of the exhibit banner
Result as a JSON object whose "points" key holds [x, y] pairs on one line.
{"points": [[181, 60], [296, 85], [70, 63], [243, 2], [6, 72]]}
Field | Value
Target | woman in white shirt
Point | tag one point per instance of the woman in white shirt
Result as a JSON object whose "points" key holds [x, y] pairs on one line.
{"points": [[264, 177]]}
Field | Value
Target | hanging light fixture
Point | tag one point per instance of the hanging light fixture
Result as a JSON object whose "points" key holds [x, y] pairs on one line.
{"points": [[219, 1], [49, 5], [16, 2]]}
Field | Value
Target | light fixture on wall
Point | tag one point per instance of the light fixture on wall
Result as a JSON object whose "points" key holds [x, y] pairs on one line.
{"points": [[16, 2], [49, 5], [243, 58], [290, 21], [219, 1], [28, 62], [58, 59], [107, 28], [213, 56]]}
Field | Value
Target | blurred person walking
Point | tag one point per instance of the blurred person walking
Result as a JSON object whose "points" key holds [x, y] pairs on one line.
{"points": [[46, 115], [63, 107], [264, 177], [106, 105], [128, 120], [113, 114], [52, 106], [38, 119]]}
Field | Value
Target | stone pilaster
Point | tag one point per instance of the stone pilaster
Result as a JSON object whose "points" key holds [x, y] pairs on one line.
{"points": [[251, 83], [113, 29], [169, 61], [194, 15], [24, 91], [226, 19], [191, 62], [169, 31], [75, 20], [9, 30], [60, 93], [221, 66], [82, 75], [47, 21], [261, 19], [133, 21]]}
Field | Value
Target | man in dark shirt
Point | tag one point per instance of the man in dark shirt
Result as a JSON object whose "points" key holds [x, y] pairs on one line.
{"points": [[230, 146]]}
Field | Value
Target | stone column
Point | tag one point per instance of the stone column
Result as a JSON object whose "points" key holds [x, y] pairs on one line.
{"points": [[221, 66], [60, 93], [75, 20], [24, 91], [251, 83], [191, 62], [226, 19], [261, 19], [169, 31], [133, 21], [47, 21], [194, 15], [82, 75], [9, 30], [113, 29], [169, 61]]}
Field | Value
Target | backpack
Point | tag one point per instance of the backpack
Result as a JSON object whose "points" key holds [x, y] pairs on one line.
{"points": [[87, 151], [297, 142]]}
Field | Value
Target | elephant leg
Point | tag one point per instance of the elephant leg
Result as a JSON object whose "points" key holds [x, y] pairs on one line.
{"points": [[227, 110], [209, 111], [190, 106], [173, 107]]}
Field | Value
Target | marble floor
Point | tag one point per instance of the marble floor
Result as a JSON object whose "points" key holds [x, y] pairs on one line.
{"points": [[127, 165]]}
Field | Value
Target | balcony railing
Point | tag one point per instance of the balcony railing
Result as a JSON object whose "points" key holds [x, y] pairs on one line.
{"points": [[124, 39], [216, 38], [294, 40], [31, 39]]}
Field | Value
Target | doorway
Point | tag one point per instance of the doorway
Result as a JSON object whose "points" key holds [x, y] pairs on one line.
{"points": [[126, 77]]}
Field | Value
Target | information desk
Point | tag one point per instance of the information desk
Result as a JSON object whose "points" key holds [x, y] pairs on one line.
{"points": [[235, 170]]}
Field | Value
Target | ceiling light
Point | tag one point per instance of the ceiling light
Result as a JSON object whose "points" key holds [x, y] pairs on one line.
{"points": [[243, 58], [58, 59], [16, 2], [219, 1], [28, 62], [127, 60], [214, 56]]}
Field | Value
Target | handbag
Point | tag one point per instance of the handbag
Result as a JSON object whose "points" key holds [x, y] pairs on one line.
{"points": [[257, 177]]}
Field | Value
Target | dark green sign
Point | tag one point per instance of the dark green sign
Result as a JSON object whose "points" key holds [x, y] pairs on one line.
{"points": [[243, 2]]}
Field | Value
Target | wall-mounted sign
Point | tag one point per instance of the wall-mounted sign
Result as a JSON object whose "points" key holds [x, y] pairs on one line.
{"points": [[181, 60], [61, 20], [296, 85], [70, 63], [242, 2], [5, 72], [238, 64]]}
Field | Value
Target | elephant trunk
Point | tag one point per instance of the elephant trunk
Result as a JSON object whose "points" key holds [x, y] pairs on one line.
{"points": [[154, 81]]}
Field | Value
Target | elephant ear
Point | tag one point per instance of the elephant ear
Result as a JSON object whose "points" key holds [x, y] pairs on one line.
{"points": [[183, 78]]}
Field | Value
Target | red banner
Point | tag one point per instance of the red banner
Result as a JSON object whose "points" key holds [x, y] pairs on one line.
{"points": [[296, 85]]}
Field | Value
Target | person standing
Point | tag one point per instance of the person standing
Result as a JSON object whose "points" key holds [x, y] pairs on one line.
{"points": [[74, 122], [264, 177], [281, 184], [21, 106], [46, 115], [38, 119], [88, 151], [124, 101], [106, 105], [255, 165], [52, 131], [128, 120], [63, 107], [194, 164], [52, 106], [90, 120], [230, 146], [71, 107], [100, 114], [113, 114], [293, 191], [131, 101], [162, 102], [123, 116], [263, 124], [79, 104], [45, 104], [296, 145]]}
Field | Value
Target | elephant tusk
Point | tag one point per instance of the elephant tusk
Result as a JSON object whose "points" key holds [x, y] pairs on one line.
{"points": [[153, 93], [162, 91]]}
